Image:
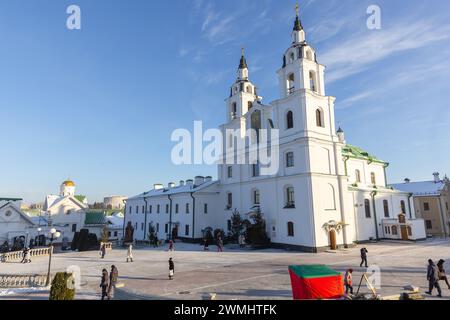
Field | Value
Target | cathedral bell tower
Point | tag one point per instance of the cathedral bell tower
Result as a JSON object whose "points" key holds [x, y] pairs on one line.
{"points": [[300, 68], [242, 93]]}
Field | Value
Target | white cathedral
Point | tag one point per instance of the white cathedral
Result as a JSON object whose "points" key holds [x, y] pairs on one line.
{"points": [[326, 193]]}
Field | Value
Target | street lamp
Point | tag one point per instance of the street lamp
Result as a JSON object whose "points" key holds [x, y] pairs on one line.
{"points": [[53, 235], [39, 236]]}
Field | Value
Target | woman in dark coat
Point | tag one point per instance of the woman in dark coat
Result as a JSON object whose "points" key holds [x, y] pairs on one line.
{"points": [[171, 269], [104, 284], [113, 277], [441, 272]]}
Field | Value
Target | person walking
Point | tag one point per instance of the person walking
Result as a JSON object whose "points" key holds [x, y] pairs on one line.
{"points": [[433, 278], [103, 251], [156, 241], [28, 256], [441, 271], [219, 244], [104, 284], [364, 257], [24, 255], [348, 281], [113, 277], [241, 240], [205, 245], [171, 245], [130, 253], [171, 269]]}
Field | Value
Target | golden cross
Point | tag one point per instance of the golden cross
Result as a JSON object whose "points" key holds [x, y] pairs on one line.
{"points": [[242, 51], [297, 8]]}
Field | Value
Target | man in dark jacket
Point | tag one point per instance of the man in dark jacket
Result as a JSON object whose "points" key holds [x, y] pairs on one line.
{"points": [[433, 278], [104, 284], [364, 257], [113, 277]]}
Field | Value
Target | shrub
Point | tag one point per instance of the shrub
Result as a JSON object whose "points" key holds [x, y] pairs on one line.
{"points": [[60, 289]]}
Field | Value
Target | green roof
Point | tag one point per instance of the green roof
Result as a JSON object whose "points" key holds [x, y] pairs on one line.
{"points": [[80, 198], [10, 199], [313, 271], [95, 218], [358, 153]]}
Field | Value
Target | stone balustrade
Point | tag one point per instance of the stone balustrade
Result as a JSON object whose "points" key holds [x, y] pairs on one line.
{"points": [[18, 255], [22, 281], [108, 245]]}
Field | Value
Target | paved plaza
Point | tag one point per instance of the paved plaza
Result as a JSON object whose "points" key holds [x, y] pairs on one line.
{"points": [[232, 274]]}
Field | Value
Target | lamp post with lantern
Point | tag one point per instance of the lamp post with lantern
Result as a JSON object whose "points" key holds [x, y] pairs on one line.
{"points": [[52, 236], [39, 236]]}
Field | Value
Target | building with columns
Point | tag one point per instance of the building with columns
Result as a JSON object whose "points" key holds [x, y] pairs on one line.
{"points": [[325, 194]]}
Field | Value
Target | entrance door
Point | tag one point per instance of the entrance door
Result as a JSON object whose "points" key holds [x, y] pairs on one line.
{"points": [[333, 243], [175, 232], [404, 231]]}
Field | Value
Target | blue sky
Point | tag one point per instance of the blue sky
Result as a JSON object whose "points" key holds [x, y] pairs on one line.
{"points": [[99, 104]]}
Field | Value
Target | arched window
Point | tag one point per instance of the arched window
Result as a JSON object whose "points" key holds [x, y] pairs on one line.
{"points": [[291, 83], [256, 123], [409, 231], [394, 230], [358, 176], [250, 105], [373, 178], [319, 118], [289, 159], [330, 201], [289, 120], [229, 200], [290, 197], [290, 229], [256, 197], [367, 208], [249, 89], [312, 81], [386, 208], [233, 110], [291, 57], [403, 206], [309, 55]]}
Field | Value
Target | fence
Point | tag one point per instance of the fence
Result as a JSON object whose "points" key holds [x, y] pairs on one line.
{"points": [[108, 245], [18, 255], [22, 281]]}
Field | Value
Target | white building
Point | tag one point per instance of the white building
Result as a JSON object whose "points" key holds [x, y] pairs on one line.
{"points": [[325, 194], [66, 212], [14, 223]]}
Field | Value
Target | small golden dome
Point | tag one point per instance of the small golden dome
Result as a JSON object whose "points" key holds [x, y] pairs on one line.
{"points": [[69, 183]]}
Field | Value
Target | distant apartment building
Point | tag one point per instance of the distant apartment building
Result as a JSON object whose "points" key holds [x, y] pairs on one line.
{"points": [[431, 203], [114, 202]]}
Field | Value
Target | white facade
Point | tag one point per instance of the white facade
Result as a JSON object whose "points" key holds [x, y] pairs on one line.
{"points": [[188, 208], [14, 223], [65, 212], [325, 192]]}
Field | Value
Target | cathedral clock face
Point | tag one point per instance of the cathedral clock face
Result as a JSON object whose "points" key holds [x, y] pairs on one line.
{"points": [[8, 213]]}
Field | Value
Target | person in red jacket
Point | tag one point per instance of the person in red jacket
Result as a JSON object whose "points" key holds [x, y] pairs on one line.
{"points": [[348, 281]]}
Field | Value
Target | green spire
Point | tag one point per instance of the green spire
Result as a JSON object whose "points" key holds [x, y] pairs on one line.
{"points": [[297, 24], [243, 62]]}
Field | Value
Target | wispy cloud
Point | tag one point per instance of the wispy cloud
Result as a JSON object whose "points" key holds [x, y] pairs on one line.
{"points": [[361, 52]]}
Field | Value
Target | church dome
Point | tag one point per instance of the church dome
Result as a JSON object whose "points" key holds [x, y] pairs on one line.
{"points": [[69, 183]]}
